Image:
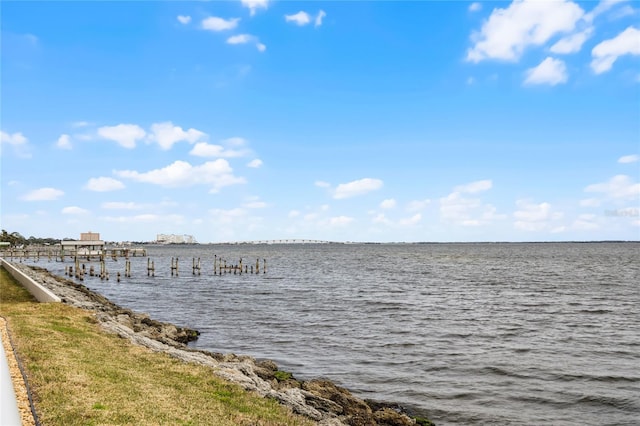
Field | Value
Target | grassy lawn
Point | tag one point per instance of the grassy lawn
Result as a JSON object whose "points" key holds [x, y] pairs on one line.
{"points": [[80, 375]]}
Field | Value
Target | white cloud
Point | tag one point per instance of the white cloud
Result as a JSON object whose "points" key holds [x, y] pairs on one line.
{"points": [[213, 23], [166, 134], [293, 213], [118, 205], [255, 164], [474, 7], [74, 210], [319, 17], [618, 187], [535, 217], [458, 209], [13, 139], [626, 159], [607, 52], [509, 31], [388, 204], [124, 134], [340, 221], [474, 187], [322, 184], [254, 5], [381, 218], [550, 71], [78, 124], [246, 38], [43, 194], [602, 7], [465, 211], [585, 222], [572, 43], [103, 184], [217, 174], [240, 39], [411, 221], [301, 18], [357, 187], [64, 142], [184, 19], [203, 149], [235, 141]]}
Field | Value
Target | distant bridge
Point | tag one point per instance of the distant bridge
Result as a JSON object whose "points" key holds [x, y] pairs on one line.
{"points": [[283, 241]]}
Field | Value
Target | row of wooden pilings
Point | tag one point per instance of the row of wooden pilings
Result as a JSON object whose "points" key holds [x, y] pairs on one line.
{"points": [[81, 270], [220, 267]]}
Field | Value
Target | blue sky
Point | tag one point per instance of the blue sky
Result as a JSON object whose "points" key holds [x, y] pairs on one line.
{"points": [[342, 121]]}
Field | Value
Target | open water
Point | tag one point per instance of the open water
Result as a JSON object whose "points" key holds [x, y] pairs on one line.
{"points": [[501, 334]]}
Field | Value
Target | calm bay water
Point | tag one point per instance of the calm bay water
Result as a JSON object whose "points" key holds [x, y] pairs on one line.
{"points": [[513, 334]]}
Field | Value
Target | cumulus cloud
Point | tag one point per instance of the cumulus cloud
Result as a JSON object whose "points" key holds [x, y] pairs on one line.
{"points": [[571, 43], [103, 184], [254, 5], [340, 221], [619, 187], [184, 19], [607, 52], [301, 18], [74, 210], [626, 159], [357, 187], [13, 138], [43, 194], [550, 71], [166, 135], [411, 221], [64, 142], [585, 222], [17, 141], [319, 17], [535, 217], [388, 204], [214, 23], [255, 164], [474, 7], [125, 135], [217, 174], [246, 38], [466, 211], [510, 31], [474, 187]]}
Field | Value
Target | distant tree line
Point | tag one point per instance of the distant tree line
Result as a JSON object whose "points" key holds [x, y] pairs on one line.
{"points": [[16, 239]]}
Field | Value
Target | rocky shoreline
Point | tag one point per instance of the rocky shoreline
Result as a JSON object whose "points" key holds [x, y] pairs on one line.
{"points": [[318, 399]]}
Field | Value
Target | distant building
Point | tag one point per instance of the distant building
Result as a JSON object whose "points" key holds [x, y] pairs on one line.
{"points": [[90, 236], [175, 239]]}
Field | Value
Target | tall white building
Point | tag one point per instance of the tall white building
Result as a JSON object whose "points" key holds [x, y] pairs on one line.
{"points": [[175, 239]]}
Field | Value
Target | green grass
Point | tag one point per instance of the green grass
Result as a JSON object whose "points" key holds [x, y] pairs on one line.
{"points": [[81, 375]]}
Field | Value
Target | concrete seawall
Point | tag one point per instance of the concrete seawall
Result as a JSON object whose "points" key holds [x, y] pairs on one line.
{"points": [[41, 293]]}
